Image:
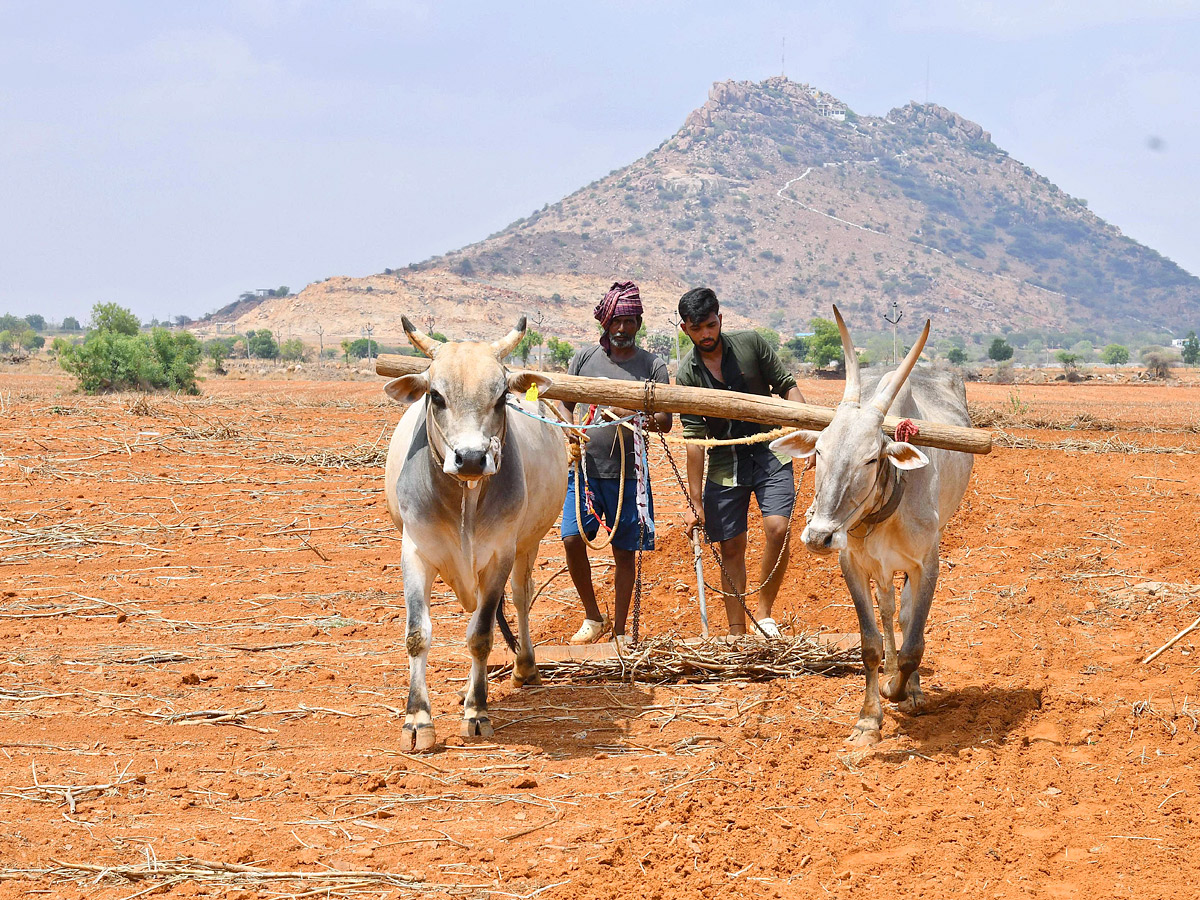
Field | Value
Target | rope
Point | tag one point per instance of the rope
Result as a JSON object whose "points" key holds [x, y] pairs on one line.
{"points": [[581, 487]]}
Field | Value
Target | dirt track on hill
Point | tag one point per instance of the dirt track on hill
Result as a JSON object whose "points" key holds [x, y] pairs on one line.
{"points": [[203, 659]]}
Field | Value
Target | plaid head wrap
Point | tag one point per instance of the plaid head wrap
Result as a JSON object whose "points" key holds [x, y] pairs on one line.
{"points": [[622, 299]]}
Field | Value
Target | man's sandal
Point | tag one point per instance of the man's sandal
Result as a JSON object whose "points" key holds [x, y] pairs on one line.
{"points": [[591, 631]]}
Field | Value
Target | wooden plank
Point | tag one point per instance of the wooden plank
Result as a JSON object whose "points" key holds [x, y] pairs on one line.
{"points": [[502, 656], [675, 398]]}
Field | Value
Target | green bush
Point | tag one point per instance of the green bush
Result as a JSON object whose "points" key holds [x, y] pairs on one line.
{"points": [[956, 356], [110, 360], [1115, 355], [292, 350], [262, 344], [357, 349]]}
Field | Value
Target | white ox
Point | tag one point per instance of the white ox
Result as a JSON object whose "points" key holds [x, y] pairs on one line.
{"points": [[883, 504], [473, 487]]}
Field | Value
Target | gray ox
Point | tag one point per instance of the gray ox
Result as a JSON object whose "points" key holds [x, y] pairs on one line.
{"points": [[882, 504], [473, 488]]}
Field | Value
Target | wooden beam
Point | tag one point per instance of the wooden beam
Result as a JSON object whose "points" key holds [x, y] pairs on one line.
{"points": [[674, 398]]}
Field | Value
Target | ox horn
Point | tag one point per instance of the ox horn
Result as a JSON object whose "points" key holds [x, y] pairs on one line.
{"points": [[508, 343], [888, 390], [853, 389], [419, 339]]}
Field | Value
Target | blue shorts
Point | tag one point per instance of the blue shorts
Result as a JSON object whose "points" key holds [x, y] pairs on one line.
{"points": [[604, 499]]}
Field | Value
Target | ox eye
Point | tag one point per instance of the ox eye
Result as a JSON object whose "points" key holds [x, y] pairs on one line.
{"points": [[871, 462], [438, 401]]}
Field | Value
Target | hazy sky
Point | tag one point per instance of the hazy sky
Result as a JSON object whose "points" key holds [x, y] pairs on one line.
{"points": [[168, 156]]}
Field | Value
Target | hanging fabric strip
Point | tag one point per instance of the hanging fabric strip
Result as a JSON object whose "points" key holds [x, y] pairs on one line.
{"points": [[642, 472]]}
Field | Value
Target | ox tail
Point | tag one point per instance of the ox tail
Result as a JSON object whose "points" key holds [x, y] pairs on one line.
{"points": [[505, 629]]}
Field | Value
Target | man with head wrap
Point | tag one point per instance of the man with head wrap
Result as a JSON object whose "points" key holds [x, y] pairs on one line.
{"points": [[616, 355]]}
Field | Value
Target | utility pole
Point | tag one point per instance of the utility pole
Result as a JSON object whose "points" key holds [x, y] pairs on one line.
{"points": [[321, 349], [783, 57], [370, 330], [895, 318], [675, 323], [537, 320]]}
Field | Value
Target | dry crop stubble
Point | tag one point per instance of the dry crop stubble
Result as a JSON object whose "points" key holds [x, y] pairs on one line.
{"points": [[200, 651]]}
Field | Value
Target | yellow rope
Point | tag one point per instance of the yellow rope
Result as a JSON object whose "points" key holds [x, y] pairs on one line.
{"points": [[759, 438]]}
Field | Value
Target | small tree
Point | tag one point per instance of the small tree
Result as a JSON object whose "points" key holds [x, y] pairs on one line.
{"points": [[660, 345], [1191, 349], [771, 336], [1158, 361], [292, 350], [262, 344], [956, 356], [114, 318], [359, 348], [560, 352], [30, 340], [36, 322], [1115, 355], [70, 323], [218, 351], [999, 350], [524, 349], [825, 345], [1070, 363], [7, 341]]}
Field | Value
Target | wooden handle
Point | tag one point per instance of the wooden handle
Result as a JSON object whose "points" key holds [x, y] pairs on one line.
{"points": [[674, 398]]}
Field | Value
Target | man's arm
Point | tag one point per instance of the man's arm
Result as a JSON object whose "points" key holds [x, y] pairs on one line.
{"points": [[695, 480], [774, 372], [794, 395]]}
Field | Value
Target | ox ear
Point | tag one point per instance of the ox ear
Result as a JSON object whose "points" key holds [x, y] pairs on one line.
{"points": [[800, 444], [520, 382], [407, 388], [904, 455]]}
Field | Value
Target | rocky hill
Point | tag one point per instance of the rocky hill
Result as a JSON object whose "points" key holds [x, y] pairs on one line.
{"points": [[783, 200]]}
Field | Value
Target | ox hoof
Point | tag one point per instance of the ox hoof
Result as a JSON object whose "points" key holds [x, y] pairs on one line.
{"points": [[914, 705], [864, 736], [480, 727], [528, 677], [417, 737], [895, 689]]}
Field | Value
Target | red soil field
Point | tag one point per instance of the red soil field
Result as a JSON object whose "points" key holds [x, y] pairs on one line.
{"points": [[203, 675]]}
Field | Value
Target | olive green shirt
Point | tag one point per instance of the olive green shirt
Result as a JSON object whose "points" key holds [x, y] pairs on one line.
{"points": [[748, 365]]}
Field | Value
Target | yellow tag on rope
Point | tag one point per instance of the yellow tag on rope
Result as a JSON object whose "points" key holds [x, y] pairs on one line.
{"points": [[531, 395]]}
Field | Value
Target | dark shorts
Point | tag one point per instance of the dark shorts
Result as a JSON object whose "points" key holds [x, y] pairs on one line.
{"points": [[726, 508], [604, 499]]}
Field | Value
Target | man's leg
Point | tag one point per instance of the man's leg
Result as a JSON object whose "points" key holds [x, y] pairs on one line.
{"points": [[576, 553], [776, 547], [625, 569], [725, 513], [733, 556], [775, 490], [580, 568]]}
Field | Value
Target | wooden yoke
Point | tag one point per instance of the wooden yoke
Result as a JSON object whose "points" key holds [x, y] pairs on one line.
{"points": [[673, 398]]}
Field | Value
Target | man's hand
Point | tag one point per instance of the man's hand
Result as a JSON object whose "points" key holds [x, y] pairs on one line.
{"points": [[574, 454], [691, 521]]}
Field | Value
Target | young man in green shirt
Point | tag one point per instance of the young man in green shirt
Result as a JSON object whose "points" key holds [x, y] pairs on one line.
{"points": [[737, 361]]}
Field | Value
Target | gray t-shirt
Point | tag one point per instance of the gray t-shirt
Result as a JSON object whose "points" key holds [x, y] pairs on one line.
{"points": [[603, 449]]}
